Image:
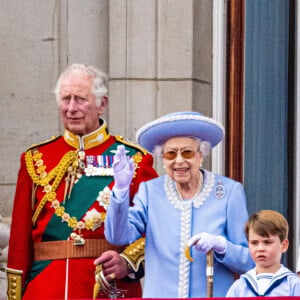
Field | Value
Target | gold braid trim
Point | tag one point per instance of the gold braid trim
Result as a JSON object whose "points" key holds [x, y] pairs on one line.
{"points": [[56, 173], [134, 253], [137, 158], [14, 284]]}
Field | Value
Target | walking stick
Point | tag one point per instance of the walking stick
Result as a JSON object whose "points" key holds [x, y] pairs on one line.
{"points": [[209, 273], [209, 269]]}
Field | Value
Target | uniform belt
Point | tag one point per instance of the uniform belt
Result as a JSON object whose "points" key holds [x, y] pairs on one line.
{"points": [[66, 249]]}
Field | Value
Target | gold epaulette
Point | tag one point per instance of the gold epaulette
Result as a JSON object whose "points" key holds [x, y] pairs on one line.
{"points": [[134, 253], [131, 144], [52, 139], [14, 284]]}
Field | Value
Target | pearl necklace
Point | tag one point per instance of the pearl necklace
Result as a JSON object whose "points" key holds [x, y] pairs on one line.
{"points": [[197, 189], [199, 198]]}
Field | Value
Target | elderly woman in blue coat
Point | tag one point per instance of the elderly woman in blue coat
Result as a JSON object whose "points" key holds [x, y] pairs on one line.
{"points": [[188, 206]]}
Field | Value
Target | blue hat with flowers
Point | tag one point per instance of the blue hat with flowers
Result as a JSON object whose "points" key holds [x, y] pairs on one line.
{"points": [[185, 123]]}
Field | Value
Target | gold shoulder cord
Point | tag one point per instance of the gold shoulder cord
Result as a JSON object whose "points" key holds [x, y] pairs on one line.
{"points": [[14, 284], [55, 174]]}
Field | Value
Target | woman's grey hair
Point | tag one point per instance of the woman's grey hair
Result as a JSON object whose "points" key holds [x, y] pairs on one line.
{"points": [[204, 147], [100, 84]]}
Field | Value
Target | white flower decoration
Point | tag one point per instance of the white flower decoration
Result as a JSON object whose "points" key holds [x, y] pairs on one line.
{"points": [[104, 197], [93, 217]]}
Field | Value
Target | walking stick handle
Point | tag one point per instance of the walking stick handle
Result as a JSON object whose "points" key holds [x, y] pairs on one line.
{"points": [[209, 273]]}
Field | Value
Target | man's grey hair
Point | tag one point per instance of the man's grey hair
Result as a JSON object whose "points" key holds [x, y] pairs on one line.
{"points": [[100, 83]]}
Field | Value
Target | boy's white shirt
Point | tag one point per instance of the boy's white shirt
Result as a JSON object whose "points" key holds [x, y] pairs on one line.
{"points": [[263, 281]]}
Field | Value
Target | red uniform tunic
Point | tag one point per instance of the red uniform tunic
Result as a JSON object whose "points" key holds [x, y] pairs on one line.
{"points": [[42, 178]]}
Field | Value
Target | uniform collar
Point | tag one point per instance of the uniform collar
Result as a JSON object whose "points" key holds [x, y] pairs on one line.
{"points": [[90, 140]]}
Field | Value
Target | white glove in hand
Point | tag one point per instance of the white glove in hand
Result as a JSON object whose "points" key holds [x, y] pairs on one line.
{"points": [[204, 242], [123, 170]]}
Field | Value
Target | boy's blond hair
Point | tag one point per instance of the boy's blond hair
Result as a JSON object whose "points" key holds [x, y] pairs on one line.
{"points": [[266, 223]]}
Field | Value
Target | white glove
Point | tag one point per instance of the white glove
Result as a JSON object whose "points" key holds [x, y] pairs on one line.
{"points": [[123, 169], [204, 242]]}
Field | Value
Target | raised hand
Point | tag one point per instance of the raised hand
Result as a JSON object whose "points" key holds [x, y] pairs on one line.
{"points": [[123, 168]]}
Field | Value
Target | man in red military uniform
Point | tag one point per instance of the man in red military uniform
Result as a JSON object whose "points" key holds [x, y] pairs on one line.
{"points": [[63, 189]]}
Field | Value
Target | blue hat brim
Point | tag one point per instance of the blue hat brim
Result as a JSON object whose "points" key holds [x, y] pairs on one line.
{"points": [[189, 124]]}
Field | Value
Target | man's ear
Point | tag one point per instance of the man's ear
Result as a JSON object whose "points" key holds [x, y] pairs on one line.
{"points": [[103, 106]]}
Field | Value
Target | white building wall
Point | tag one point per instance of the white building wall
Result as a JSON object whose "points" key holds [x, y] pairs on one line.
{"points": [[158, 54]]}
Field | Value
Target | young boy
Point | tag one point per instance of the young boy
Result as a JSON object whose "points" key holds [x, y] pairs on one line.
{"points": [[267, 234]]}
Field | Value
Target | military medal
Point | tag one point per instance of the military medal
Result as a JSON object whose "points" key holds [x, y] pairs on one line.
{"points": [[99, 165]]}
